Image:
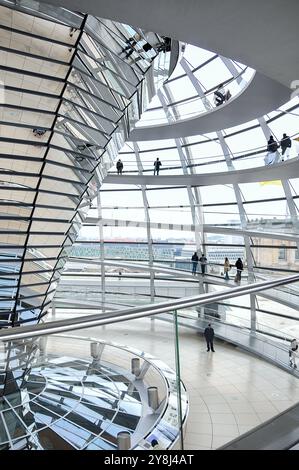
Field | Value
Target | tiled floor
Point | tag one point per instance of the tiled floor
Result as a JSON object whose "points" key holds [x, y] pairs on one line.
{"points": [[230, 391]]}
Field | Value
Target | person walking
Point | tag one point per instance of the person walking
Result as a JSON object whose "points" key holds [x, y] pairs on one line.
{"points": [[194, 260], [119, 167], [209, 335], [157, 165], [226, 268], [272, 152], [240, 267], [203, 263], [285, 145], [293, 353]]}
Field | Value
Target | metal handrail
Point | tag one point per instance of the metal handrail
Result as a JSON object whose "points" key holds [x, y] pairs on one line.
{"points": [[138, 312], [210, 318], [236, 155]]}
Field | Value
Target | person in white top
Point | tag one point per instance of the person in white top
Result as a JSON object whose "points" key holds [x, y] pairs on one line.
{"points": [[293, 353]]}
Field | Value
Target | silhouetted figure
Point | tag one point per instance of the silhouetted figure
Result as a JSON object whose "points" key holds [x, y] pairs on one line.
{"points": [[219, 95], [203, 263], [85, 145], [293, 353], [194, 260], [38, 132], [239, 266], [272, 155], [228, 95], [72, 31], [272, 144], [209, 335], [119, 167], [155, 445], [285, 144], [157, 165], [147, 47]]}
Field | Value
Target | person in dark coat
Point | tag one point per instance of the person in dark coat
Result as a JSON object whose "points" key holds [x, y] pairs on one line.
{"points": [[194, 263], [119, 167], [272, 152], [147, 47], [157, 165], [272, 144], [209, 335], [239, 266], [285, 144], [155, 445], [219, 95]]}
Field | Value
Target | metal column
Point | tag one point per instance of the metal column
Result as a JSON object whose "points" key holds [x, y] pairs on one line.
{"points": [[102, 250], [148, 224]]}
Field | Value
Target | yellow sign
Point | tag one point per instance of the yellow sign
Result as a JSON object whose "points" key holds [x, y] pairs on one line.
{"points": [[274, 183]]}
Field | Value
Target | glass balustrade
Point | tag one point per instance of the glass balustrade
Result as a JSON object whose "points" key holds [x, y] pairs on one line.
{"points": [[81, 393], [194, 106], [251, 158]]}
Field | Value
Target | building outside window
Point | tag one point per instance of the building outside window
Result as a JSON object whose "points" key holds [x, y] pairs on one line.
{"points": [[282, 253]]}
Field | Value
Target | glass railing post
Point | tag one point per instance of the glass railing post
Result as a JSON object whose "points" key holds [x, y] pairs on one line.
{"points": [[252, 313], [178, 377], [53, 309]]}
